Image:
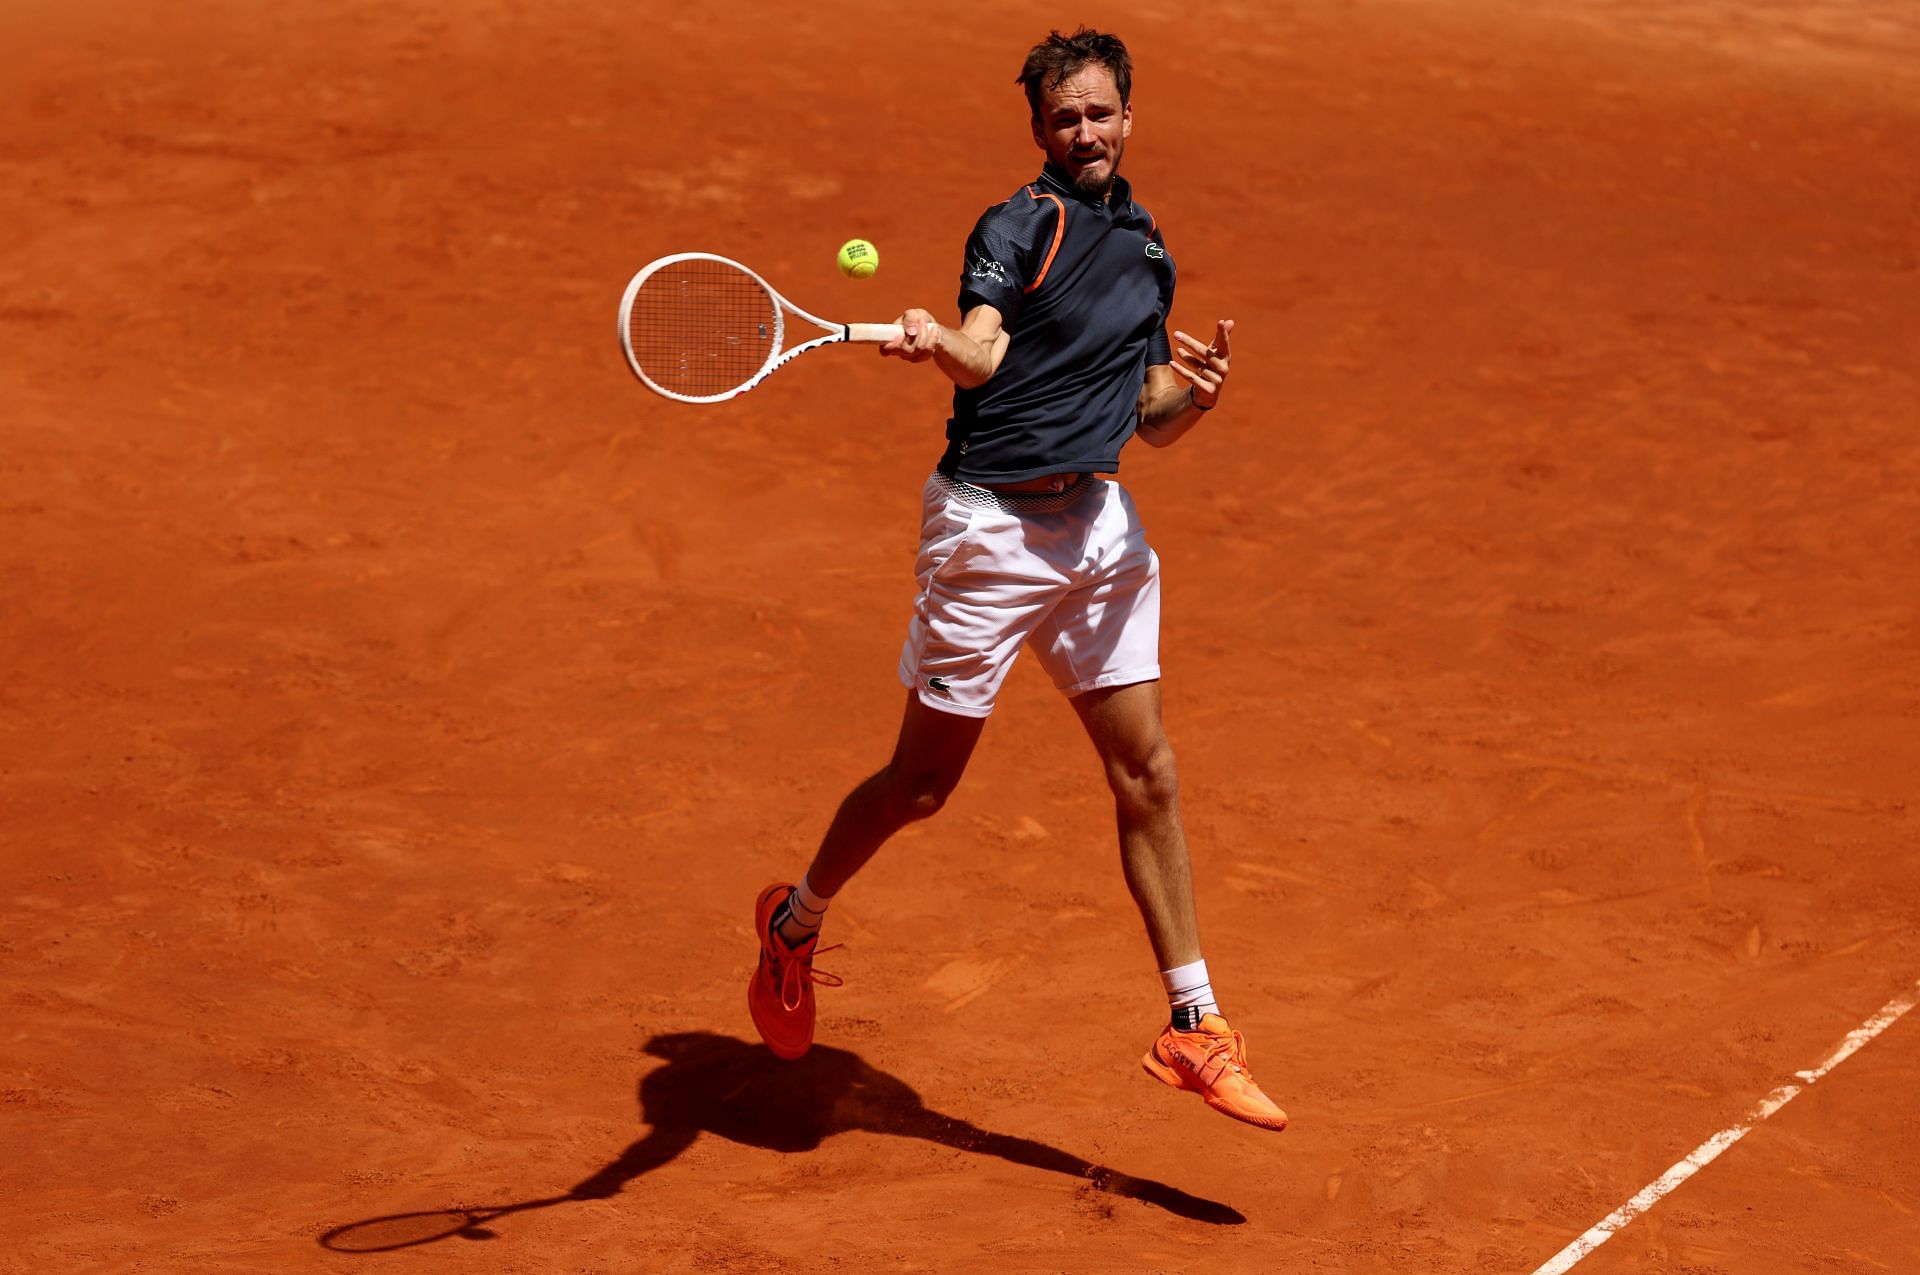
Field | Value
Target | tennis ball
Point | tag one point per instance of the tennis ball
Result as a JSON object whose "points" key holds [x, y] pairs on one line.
{"points": [[858, 259]]}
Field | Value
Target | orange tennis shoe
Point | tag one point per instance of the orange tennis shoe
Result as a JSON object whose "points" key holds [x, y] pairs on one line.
{"points": [[1212, 1062], [780, 997]]}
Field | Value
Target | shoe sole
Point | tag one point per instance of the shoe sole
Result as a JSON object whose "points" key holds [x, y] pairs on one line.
{"points": [[1166, 1075]]}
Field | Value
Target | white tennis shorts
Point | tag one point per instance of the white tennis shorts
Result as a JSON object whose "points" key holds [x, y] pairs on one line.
{"points": [[1081, 586]]}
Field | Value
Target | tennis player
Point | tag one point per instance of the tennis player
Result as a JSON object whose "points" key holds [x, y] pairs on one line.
{"points": [[1061, 356]]}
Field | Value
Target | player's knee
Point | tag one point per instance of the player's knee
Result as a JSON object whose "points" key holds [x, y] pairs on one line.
{"points": [[920, 795], [1148, 784]]}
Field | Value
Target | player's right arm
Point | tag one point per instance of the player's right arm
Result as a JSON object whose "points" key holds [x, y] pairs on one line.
{"points": [[968, 355], [1006, 258]]}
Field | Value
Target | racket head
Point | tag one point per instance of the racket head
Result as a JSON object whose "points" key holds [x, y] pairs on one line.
{"points": [[700, 328]]}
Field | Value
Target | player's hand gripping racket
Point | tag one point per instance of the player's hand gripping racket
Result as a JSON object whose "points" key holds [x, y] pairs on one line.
{"points": [[702, 329]]}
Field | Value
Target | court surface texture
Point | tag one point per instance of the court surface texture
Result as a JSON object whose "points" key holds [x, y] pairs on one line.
{"points": [[400, 707]]}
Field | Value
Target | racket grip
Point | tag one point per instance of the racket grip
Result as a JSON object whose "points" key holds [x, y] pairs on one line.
{"points": [[877, 332]]}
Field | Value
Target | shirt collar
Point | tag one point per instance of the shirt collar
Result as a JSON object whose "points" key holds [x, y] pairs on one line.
{"points": [[1120, 203]]}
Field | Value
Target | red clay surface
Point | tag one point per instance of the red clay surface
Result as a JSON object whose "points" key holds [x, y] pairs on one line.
{"points": [[400, 708]]}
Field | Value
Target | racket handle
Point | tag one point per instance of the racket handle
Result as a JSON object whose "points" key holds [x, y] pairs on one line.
{"points": [[877, 332]]}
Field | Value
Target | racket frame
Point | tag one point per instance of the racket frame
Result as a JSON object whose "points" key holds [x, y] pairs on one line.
{"points": [[834, 333]]}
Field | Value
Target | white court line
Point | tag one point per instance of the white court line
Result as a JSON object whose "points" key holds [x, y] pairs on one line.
{"points": [[1704, 1154]]}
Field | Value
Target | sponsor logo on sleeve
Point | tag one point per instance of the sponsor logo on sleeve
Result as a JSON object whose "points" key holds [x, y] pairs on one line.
{"points": [[982, 268]]}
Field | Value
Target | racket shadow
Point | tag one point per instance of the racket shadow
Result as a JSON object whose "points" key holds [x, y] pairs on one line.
{"points": [[727, 1088]]}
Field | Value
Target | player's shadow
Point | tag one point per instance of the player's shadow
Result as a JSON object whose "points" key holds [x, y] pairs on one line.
{"points": [[722, 1086]]}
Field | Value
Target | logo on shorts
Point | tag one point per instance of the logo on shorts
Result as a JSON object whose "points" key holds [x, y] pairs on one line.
{"points": [[1155, 251], [939, 686]]}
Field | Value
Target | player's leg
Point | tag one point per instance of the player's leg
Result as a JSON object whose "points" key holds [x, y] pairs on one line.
{"points": [[1102, 646], [981, 593], [1198, 1051], [1125, 726], [928, 759]]}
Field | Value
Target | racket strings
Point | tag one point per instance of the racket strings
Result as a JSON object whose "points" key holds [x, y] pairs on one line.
{"points": [[701, 328]]}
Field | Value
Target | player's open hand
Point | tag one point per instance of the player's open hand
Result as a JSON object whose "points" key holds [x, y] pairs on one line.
{"points": [[1204, 366], [919, 338]]}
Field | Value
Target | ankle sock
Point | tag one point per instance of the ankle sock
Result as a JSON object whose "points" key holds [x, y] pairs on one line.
{"points": [[798, 918], [1189, 995]]}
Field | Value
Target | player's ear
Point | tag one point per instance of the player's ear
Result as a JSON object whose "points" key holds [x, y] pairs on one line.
{"points": [[1039, 138], [1126, 121]]}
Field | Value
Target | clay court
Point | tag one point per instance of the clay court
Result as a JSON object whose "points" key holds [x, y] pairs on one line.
{"points": [[400, 707]]}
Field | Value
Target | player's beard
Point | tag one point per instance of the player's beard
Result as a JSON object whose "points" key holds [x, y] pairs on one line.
{"points": [[1089, 186]]}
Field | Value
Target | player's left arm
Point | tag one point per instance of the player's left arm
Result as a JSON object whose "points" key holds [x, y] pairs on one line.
{"points": [[1177, 394]]}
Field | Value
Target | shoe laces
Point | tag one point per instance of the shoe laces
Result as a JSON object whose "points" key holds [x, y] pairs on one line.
{"points": [[796, 971], [1230, 1051]]}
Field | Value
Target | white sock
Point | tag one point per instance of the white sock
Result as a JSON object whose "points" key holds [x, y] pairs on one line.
{"points": [[799, 918], [1189, 994]]}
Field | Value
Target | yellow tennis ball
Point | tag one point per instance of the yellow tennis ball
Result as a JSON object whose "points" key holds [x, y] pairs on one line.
{"points": [[858, 259]]}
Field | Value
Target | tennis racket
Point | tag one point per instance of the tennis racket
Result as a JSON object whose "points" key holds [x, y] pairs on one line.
{"points": [[702, 329]]}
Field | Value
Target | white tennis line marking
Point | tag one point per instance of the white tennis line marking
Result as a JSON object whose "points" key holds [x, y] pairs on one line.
{"points": [[1704, 1154]]}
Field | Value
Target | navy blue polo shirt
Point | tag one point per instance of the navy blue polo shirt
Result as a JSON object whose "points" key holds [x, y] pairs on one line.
{"points": [[1084, 287]]}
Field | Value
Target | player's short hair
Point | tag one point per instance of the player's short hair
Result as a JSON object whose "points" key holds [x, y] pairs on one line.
{"points": [[1059, 56]]}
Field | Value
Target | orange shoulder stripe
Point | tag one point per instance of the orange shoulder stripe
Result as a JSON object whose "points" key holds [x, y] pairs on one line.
{"points": [[1059, 231]]}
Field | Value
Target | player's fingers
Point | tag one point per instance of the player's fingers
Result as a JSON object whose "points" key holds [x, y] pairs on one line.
{"points": [[1208, 355], [1196, 358], [1222, 346], [1200, 380], [1197, 375]]}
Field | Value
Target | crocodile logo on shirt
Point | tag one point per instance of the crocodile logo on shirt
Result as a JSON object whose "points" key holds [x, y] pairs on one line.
{"points": [[1155, 251]]}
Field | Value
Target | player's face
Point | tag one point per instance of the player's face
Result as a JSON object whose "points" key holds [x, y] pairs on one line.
{"points": [[1083, 128]]}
